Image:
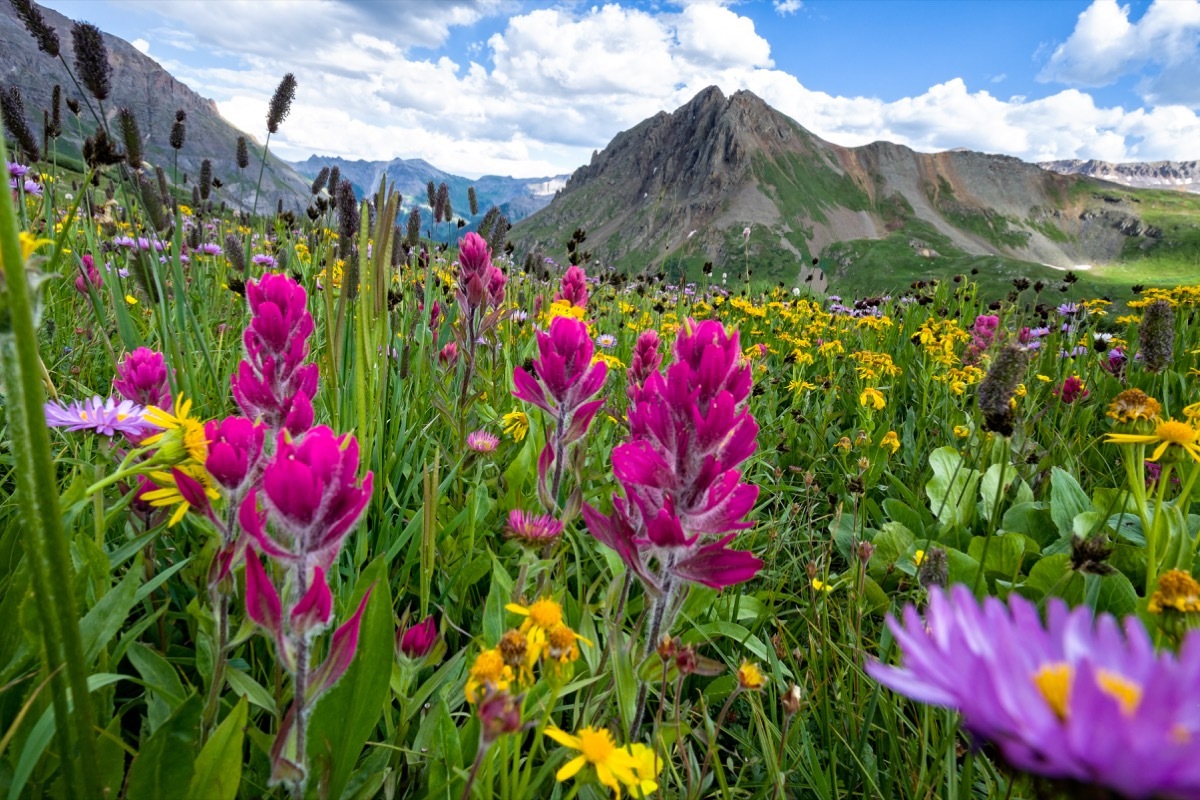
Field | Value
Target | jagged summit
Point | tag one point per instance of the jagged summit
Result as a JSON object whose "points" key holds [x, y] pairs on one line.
{"points": [[679, 188]]}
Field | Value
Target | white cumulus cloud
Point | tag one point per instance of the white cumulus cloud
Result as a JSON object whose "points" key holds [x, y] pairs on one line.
{"points": [[1164, 45]]}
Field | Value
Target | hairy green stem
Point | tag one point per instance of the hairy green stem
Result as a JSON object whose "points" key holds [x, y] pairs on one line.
{"points": [[37, 493]]}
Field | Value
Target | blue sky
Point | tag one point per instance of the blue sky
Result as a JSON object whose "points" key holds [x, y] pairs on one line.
{"points": [[532, 88]]}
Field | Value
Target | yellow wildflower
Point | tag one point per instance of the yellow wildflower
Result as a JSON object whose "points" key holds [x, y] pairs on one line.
{"points": [[489, 669], [873, 398], [891, 441], [516, 424], [615, 766]]}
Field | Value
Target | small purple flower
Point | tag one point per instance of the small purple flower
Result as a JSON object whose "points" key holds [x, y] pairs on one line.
{"points": [[1080, 698], [106, 417], [17, 170], [32, 188], [264, 261], [209, 249], [482, 441], [1068, 309], [606, 340], [533, 530], [126, 242]]}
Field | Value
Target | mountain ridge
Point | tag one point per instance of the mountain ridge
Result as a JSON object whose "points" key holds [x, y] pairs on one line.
{"points": [[678, 189], [153, 94]]}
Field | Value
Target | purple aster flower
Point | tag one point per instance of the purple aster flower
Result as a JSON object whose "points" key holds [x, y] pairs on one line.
{"points": [[128, 242], [533, 530], [606, 340], [1080, 698], [264, 261], [32, 188], [17, 170], [106, 417], [1068, 309], [209, 249]]}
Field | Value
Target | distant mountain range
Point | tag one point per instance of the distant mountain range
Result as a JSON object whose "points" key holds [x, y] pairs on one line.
{"points": [[141, 84], [678, 189], [516, 198], [1182, 175]]}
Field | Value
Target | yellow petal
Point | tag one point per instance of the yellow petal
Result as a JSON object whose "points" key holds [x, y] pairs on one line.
{"points": [[178, 515], [517, 608], [563, 738], [570, 768]]}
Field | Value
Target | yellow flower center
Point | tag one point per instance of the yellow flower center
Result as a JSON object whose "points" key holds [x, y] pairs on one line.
{"points": [[1127, 693], [488, 667], [195, 440], [1175, 432], [1176, 589], [545, 614], [596, 745], [1054, 682]]}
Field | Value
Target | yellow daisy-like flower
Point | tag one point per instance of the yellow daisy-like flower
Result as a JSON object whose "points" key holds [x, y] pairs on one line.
{"points": [[516, 424], [1192, 413], [822, 586], [1176, 590], [797, 386], [489, 669], [962, 431], [168, 494], [183, 437], [631, 767], [30, 244], [1166, 434], [612, 362], [750, 677], [891, 441], [541, 617], [873, 398], [131, 300], [1133, 405]]}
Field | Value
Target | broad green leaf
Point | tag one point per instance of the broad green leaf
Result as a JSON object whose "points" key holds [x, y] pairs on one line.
{"points": [[1067, 500], [952, 490], [347, 714], [1052, 576], [1116, 595], [1003, 554], [164, 766], [219, 765], [1033, 520], [245, 686], [905, 515], [892, 541], [162, 683]]}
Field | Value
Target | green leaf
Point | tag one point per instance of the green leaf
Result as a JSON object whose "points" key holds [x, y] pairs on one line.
{"points": [[437, 734], [347, 714], [952, 490], [164, 766], [892, 541], [905, 515], [1052, 577], [163, 685], [1003, 556], [495, 618], [962, 568], [1033, 520], [245, 686], [1116, 595], [989, 487], [219, 765], [624, 680], [101, 623], [1067, 500]]}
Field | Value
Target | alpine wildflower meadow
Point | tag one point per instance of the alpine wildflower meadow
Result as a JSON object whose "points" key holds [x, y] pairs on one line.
{"points": [[317, 506]]}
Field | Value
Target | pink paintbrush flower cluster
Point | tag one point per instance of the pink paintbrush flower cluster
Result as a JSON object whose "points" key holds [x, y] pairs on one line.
{"points": [[573, 287], [566, 379], [690, 429], [273, 383], [296, 501]]}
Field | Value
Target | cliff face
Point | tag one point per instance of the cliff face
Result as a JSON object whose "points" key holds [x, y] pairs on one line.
{"points": [[1181, 175], [140, 84], [679, 188]]}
